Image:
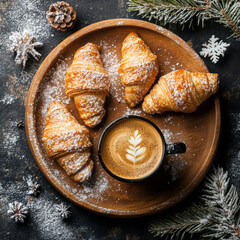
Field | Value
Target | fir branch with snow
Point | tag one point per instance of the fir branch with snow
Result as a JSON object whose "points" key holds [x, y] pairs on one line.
{"points": [[63, 210], [17, 211], [216, 216], [184, 12], [224, 203], [214, 49], [23, 44], [186, 223]]}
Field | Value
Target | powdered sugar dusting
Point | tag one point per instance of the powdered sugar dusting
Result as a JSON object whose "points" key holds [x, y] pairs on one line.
{"points": [[45, 219], [94, 188], [111, 63], [10, 137], [176, 94], [66, 136], [8, 99], [98, 189], [120, 23], [81, 77], [167, 135], [168, 118], [132, 111], [54, 89], [26, 15], [190, 82], [20, 16]]}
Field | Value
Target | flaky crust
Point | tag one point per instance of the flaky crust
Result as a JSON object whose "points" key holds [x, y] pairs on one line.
{"points": [[66, 141], [138, 69], [180, 91], [87, 82]]}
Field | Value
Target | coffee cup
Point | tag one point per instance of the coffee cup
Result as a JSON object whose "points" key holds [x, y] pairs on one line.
{"points": [[133, 148]]}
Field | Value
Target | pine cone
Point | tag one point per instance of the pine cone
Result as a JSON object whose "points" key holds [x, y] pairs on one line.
{"points": [[61, 16]]}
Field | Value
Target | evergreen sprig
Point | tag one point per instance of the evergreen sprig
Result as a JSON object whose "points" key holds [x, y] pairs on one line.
{"points": [[184, 12], [215, 216]]}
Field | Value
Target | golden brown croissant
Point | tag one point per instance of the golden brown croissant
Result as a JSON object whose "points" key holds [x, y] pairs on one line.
{"points": [[180, 91], [87, 81], [138, 69], [67, 142]]}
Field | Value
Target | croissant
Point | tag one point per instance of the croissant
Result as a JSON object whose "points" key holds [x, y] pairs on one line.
{"points": [[87, 82], [180, 91], [138, 69], [67, 142]]}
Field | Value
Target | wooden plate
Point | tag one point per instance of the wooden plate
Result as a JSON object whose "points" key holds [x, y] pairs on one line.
{"points": [[180, 173]]}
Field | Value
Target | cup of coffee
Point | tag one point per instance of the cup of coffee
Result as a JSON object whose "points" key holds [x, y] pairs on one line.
{"points": [[133, 148]]}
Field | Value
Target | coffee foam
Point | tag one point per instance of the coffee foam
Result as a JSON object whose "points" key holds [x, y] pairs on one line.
{"points": [[132, 148]]}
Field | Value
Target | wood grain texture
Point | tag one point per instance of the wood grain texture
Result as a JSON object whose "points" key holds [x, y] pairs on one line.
{"points": [[199, 130]]}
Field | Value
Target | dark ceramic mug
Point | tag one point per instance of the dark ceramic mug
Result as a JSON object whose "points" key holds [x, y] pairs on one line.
{"points": [[173, 148]]}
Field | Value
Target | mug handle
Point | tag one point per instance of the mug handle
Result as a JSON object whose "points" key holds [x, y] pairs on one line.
{"points": [[175, 148]]}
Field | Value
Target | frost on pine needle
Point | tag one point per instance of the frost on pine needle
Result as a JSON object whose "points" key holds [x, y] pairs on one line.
{"points": [[63, 210], [214, 49], [216, 216], [33, 187], [224, 202], [23, 44], [190, 12], [17, 211]]}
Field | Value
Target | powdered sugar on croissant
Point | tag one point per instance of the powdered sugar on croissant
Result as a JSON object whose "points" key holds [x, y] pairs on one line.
{"points": [[67, 142], [180, 91], [138, 69], [88, 83]]}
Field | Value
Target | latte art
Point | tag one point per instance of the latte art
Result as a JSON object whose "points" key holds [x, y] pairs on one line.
{"points": [[134, 151], [131, 148]]}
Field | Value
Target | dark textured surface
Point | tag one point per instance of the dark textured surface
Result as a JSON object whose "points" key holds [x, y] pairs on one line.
{"points": [[15, 156]]}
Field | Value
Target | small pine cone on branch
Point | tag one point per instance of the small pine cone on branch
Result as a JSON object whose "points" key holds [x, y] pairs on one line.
{"points": [[61, 16]]}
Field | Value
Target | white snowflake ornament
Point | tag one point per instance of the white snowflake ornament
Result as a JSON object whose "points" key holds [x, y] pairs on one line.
{"points": [[214, 49], [63, 210], [17, 211], [24, 46]]}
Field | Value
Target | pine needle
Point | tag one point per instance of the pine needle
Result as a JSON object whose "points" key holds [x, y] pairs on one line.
{"points": [[186, 12], [215, 216], [181, 225]]}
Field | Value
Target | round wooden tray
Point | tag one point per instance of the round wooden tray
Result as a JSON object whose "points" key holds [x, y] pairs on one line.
{"points": [[199, 130]]}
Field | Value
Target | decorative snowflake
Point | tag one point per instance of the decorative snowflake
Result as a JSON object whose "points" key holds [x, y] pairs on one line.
{"points": [[33, 187], [214, 49], [63, 210], [17, 211], [24, 46]]}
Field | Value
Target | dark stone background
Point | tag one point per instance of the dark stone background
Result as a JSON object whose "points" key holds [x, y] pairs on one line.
{"points": [[16, 160]]}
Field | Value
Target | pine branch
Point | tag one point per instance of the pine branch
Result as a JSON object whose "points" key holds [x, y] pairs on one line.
{"points": [[216, 216], [187, 223], [184, 12], [228, 15], [224, 203]]}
